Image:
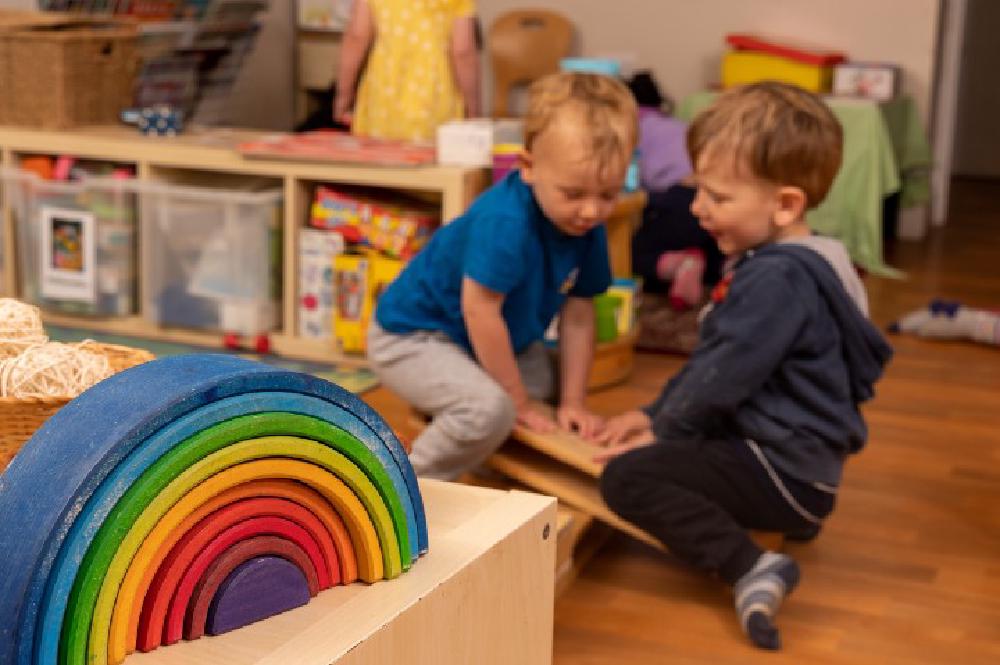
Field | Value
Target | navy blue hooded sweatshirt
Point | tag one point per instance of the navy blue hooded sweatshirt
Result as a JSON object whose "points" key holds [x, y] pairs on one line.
{"points": [[784, 360]]}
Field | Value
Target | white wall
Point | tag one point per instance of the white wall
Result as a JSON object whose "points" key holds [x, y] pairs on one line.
{"points": [[682, 40]]}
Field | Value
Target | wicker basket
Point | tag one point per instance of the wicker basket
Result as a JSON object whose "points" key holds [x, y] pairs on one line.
{"points": [[60, 74], [20, 418]]}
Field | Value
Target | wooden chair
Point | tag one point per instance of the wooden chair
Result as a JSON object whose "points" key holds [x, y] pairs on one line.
{"points": [[525, 45]]}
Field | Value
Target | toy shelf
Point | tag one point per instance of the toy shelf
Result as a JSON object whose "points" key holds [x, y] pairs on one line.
{"points": [[209, 156]]}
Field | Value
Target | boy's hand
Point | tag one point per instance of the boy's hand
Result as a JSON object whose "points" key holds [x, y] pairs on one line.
{"points": [[637, 440], [620, 428], [534, 419], [579, 420]]}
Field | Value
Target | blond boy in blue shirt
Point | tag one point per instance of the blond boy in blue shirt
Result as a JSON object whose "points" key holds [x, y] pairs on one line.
{"points": [[459, 333]]}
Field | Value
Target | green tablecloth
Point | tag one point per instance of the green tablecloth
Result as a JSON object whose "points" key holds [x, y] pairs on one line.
{"points": [[885, 151]]}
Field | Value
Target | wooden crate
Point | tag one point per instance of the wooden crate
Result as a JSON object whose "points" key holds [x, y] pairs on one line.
{"points": [[483, 594]]}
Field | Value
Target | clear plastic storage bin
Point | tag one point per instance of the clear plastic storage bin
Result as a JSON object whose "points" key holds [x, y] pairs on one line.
{"points": [[76, 242], [212, 258]]}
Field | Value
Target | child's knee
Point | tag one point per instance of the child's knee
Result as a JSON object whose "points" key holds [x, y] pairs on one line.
{"points": [[489, 416], [615, 482]]}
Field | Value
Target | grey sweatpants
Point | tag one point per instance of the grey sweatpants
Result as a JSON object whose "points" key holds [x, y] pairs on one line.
{"points": [[471, 414]]}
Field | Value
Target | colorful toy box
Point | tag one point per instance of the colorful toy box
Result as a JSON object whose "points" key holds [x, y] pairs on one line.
{"points": [[359, 281], [353, 310], [627, 290], [384, 271], [317, 252], [391, 223], [742, 67], [756, 59]]}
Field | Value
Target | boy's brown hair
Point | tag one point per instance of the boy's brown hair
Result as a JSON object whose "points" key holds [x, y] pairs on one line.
{"points": [[781, 133], [605, 106]]}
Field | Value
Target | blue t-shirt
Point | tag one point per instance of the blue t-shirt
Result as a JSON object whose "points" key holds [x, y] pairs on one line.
{"points": [[504, 242]]}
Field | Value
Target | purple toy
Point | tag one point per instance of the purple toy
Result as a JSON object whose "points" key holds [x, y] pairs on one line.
{"points": [[257, 589]]}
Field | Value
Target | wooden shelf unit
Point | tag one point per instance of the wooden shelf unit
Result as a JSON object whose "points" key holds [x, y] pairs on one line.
{"points": [[212, 152]]}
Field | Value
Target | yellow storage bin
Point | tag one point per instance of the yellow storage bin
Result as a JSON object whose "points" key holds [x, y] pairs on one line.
{"points": [[741, 67]]}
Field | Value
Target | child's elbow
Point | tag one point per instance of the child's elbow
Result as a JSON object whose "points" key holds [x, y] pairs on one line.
{"points": [[578, 311], [356, 41], [464, 52]]}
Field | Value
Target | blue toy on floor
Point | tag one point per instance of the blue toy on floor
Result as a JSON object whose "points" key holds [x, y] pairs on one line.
{"points": [[948, 319]]}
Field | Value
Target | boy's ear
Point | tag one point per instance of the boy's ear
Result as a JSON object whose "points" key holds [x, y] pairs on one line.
{"points": [[526, 162], [791, 205]]}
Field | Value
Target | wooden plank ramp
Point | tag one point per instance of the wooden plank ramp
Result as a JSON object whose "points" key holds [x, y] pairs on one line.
{"points": [[548, 476], [562, 465]]}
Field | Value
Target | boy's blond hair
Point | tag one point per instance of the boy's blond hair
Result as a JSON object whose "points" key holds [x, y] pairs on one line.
{"points": [[781, 133], [604, 105]]}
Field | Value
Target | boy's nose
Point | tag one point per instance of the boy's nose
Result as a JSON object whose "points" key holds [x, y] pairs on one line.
{"points": [[696, 206], [590, 211]]}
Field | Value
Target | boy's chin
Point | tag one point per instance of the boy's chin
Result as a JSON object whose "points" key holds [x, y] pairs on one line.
{"points": [[571, 229]]}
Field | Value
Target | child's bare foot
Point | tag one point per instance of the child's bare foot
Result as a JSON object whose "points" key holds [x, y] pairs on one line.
{"points": [[686, 289], [684, 270]]}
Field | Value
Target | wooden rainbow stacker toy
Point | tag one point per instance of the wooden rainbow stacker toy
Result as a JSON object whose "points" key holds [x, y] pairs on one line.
{"points": [[194, 495]]}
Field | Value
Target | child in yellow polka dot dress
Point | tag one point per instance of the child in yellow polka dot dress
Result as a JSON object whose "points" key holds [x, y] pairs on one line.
{"points": [[422, 70]]}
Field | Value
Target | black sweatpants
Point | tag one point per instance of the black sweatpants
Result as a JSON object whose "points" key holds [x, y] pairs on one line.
{"points": [[699, 498], [669, 225]]}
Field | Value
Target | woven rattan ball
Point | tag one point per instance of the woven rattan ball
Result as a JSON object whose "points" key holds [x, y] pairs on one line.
{"points": [[52, 369], [20, 327]]}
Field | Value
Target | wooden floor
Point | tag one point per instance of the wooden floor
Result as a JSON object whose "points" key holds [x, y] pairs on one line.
{"points": [[908, 568]]}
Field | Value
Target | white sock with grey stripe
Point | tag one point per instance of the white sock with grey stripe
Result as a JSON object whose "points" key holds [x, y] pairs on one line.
{"points": [[759, 594]]}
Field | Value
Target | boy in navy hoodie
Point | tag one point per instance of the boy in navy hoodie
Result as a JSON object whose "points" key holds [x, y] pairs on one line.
{"points": [[753, 432]]}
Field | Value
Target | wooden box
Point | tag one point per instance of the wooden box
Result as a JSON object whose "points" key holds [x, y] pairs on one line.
{"points": [[483, 594]]}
